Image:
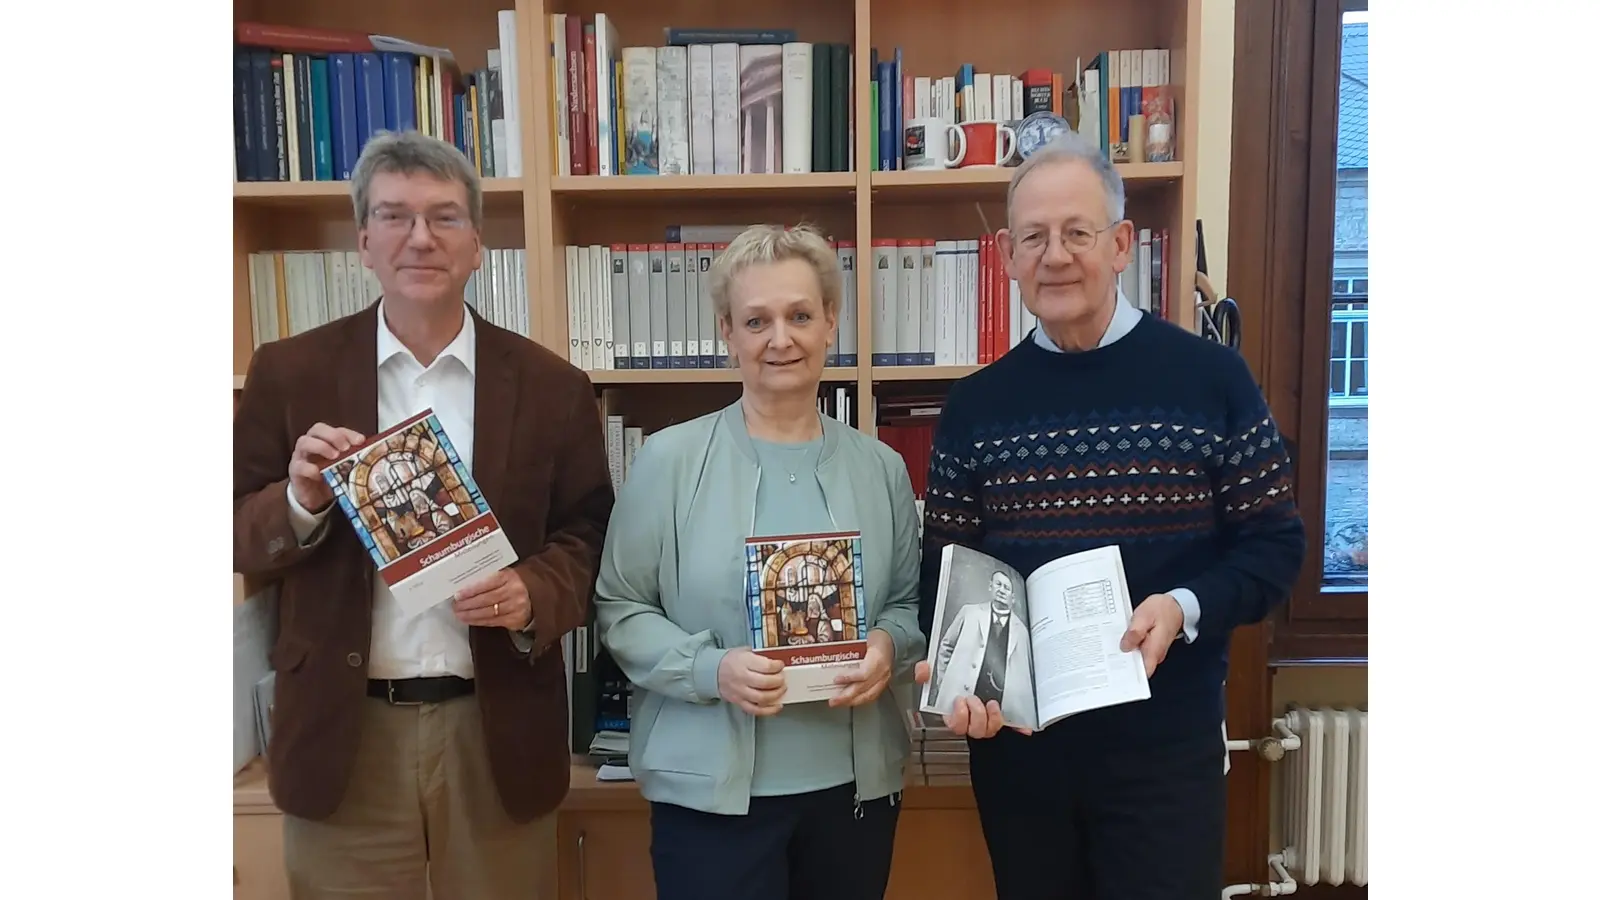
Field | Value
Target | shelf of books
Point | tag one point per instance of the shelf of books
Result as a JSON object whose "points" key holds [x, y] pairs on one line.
{"points": [[623, 143], [605, 129], [312, 82], [292, 192]]}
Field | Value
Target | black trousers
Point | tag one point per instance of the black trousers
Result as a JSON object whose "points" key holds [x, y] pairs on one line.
{"points": [[1065, 820], [800, 847]]}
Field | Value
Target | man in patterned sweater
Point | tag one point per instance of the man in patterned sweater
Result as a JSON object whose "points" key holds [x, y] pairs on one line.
{"points": [[1106, 425]]}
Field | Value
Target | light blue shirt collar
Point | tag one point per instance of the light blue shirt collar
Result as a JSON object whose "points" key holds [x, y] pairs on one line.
{"points": [[1122, 322]]}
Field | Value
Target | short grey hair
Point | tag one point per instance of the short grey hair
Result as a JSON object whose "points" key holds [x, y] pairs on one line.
{"points": [[761, 245], [1070, 146], [407, 152]]}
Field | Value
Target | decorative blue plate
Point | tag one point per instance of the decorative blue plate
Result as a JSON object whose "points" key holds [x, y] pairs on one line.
{"points": [[1038, 130]]}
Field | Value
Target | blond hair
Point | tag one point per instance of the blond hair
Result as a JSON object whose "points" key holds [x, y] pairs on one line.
{"points": [[763, 245]]}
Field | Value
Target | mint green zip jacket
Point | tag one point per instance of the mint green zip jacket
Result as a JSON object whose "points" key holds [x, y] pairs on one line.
{"points": [[669, 602]]}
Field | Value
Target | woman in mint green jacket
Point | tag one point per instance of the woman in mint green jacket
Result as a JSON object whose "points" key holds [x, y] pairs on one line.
{"points": [[752, 797]]}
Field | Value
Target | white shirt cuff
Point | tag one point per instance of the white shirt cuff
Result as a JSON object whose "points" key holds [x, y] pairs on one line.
{"points": [[305, 524], [1191, 612]]}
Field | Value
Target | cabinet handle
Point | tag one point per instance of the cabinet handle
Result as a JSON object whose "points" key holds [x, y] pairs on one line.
{"points": [[583, 871]]}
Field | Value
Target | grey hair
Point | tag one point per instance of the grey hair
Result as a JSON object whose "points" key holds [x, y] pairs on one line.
{"points": [[1070, 146], [407, 152]]}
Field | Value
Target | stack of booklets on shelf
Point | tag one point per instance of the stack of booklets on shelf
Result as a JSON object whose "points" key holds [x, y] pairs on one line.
{"points": [[600, 704], [938, 755], [608, 748]]}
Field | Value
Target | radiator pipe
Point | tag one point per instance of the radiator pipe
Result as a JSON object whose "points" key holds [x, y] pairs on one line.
{"points": [[1270, 748], [1283, 886]]}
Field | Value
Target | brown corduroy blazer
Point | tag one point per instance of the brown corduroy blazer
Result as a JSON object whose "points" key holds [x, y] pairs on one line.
{"points": [[538, 457]]}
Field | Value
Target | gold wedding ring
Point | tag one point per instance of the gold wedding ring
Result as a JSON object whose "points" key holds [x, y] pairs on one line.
{"points": [[497, 609]]}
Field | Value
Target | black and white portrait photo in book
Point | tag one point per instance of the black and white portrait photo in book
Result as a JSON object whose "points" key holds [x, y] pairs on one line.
{"points": [[1044, 648], [980, 645]]}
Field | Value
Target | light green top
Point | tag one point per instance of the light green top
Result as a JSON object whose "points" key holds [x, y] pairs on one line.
{"points": [[806, 747], [669, 602]]}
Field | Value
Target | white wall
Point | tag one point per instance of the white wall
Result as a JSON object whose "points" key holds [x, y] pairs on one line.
{"points": [[1216, 133]]}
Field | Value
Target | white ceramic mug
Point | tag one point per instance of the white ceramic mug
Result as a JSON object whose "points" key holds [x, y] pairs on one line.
{"points": [[928, 142]]}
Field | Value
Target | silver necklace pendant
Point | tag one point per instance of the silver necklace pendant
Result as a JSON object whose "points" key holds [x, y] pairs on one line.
{"points": [[791, 478]]}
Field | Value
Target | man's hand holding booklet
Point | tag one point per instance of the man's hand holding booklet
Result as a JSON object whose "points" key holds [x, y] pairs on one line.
{"points": [[419, 513], [1026, 653]]}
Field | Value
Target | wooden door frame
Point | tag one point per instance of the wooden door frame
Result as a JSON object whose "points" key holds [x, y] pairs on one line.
{"points": [[1279, 184]]}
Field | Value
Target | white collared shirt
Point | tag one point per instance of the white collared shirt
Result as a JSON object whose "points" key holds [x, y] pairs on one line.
{"points": [[435, 642]]}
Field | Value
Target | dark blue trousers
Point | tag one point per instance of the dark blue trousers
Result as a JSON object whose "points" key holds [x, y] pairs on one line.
{"points": [[801, 847], [1067, 818]]}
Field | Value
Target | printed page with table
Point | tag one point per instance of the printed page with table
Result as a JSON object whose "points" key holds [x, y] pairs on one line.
{"points": [[1045, 647]]}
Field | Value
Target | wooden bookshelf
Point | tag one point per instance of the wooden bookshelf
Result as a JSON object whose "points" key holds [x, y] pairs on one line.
{"points": [[692, 188], [991, 183], [542, 212], [289, 192], [830, 375], [921, 373]]}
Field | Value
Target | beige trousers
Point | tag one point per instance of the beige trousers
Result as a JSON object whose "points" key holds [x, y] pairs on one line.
{"points": [[421, 811]]}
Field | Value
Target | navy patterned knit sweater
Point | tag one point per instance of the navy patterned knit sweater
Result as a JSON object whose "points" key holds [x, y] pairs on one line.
{"points": [[1159, 442]]}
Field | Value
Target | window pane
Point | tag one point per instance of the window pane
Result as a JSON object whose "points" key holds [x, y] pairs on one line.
{"points": [[1344, 549], [1336, 341]]}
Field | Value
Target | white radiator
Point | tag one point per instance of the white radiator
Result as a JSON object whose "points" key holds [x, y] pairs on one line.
{"points": [[1323, 796]]}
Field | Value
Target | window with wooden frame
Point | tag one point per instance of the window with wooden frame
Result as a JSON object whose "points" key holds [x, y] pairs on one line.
{"points": [[1298, 268]]}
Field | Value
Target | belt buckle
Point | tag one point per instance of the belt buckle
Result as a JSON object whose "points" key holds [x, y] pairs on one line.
{"points": [[393, 702]]}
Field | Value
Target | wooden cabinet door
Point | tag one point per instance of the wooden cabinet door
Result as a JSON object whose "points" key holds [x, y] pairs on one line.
{"points": [[604, 856], [926, 843], [258, 872]]}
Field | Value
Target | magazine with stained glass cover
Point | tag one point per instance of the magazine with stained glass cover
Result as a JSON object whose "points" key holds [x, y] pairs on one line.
{"points": [[416, 509], [806, 607]]}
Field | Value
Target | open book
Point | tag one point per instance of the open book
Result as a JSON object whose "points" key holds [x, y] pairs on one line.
{"points": [[1045, 648], [803, 592], [415, 507]]}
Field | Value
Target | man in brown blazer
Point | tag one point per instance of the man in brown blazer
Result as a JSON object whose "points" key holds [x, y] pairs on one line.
{"points": [[411, 749]]}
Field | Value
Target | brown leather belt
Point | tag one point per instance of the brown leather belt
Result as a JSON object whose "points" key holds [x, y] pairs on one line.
{"points": [[416, 691]]}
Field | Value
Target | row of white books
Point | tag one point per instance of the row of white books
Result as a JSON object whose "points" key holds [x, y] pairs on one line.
{"points": [[623, 440], [297, 290], [936, 302], [648, 306]]}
